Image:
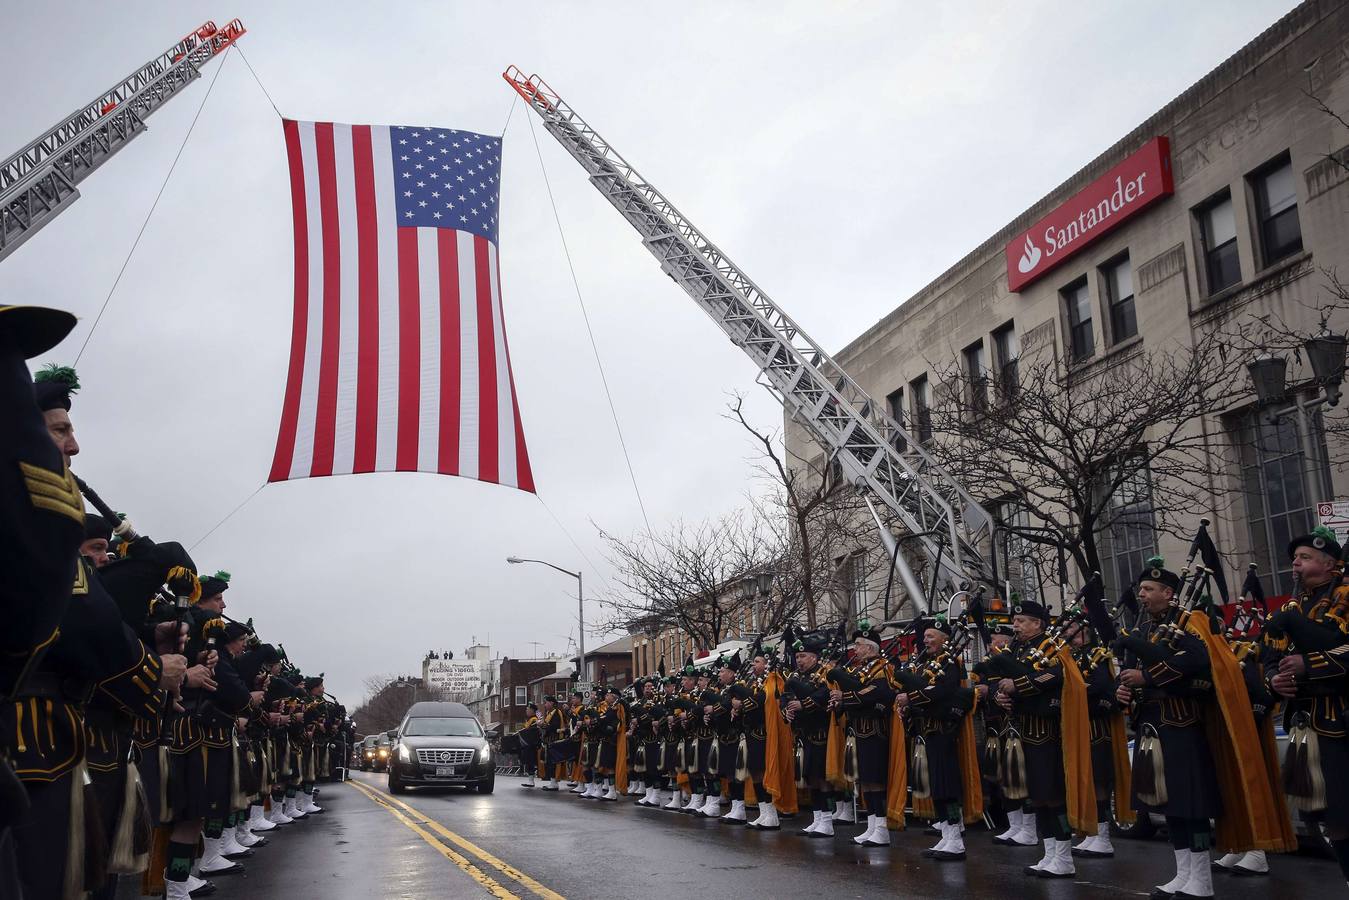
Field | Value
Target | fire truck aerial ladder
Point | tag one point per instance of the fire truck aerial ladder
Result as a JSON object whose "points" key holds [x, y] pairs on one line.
{"points": [[42, 179], [856, 431]]}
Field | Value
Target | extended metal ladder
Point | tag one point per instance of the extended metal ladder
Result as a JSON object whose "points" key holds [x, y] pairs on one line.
{"points": [[40, 180], [814, 389]]}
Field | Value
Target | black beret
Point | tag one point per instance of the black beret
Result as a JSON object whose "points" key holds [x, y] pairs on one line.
{"points": [[1032, 609], [1003, 629], [96, 527], [235, 630], [812, 642], [549, 698], [939, 623], [53, 387], [867, 632], [267, 653], [214, 584], [1156, 572], [312, 682], [1322, 539]]}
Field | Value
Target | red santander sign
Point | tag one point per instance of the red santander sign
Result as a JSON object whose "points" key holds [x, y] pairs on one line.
{"points": [[1093, 212]]}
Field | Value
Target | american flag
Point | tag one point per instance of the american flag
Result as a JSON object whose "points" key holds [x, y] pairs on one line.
{"points": [[398, 358]]}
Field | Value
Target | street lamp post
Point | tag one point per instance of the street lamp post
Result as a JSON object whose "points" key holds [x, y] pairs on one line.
{"points": [[580, 607], [1326, 353]]}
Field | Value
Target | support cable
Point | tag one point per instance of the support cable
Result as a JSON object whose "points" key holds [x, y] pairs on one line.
{"points": [[599, 364], [153, 206]]}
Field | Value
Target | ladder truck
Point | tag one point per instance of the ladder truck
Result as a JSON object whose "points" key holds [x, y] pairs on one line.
{"points": [[816, 392], [42, 179]]}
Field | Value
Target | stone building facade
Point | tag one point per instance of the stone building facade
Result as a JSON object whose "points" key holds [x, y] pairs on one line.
{"points": [[1258, 214]]}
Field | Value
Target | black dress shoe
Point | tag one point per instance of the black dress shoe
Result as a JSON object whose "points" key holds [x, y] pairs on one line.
{"points": [[1159, 894], [947, 856], [205, 890], [241, 854]]}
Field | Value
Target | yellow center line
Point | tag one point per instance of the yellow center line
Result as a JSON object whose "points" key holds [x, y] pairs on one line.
{"points": [[506, 868], [493, 887]]}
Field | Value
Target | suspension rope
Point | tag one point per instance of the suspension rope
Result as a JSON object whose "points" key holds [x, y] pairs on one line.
{"points": [[599, 364], [261, 86], [228, 516], [153, 206]]}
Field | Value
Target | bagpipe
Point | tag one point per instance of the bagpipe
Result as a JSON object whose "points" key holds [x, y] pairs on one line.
{"points": [[1304, 634]]}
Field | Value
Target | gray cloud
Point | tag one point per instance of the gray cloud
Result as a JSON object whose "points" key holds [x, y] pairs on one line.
{"points": [[844, 154]]}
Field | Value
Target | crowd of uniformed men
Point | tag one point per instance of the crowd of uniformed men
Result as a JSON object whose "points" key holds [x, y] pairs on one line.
{"points": [[1034, 737], [143, 733]]}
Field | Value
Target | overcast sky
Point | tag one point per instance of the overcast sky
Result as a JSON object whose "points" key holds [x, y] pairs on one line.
{"points": [[843, 153]]}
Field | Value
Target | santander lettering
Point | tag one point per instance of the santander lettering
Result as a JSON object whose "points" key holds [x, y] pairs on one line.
{"points": [[1126, 190]]}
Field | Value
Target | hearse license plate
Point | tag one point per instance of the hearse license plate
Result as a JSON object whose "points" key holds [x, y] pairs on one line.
{"points": [[446, 771]]}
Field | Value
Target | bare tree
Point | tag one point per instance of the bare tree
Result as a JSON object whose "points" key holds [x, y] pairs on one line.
{"points": [[819, 520], [387, 702], [686, 577], [1080, 452]]}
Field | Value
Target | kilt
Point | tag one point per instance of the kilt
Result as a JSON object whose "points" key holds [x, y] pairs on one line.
{"points": [[1191, 781], [814, 747], [726, 753], [607, 755], [873, 760], [1335, 771], [705, 755], [653, 770], [756, 754], [199, 783], [943, 767], [1044, 773]]}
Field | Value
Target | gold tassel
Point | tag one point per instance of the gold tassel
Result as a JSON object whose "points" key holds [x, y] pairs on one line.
{"points": [[130, 852], [1014, 769], [918, 779], [1150, 770], [742, 759], [237, 800], [165, 811], [73, 889], [1302, 777]]}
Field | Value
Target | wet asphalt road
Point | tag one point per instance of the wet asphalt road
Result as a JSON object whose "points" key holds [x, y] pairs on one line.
{"points": [[526, 843]]}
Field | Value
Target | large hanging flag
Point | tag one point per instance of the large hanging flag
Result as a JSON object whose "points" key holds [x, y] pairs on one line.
{"points": [[398, 358]]}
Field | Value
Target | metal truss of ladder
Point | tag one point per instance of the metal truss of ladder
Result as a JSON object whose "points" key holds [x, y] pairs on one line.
{"points": [[814, 389], [39, 181]]}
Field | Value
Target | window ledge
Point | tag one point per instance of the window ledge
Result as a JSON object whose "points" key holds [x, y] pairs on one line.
{"points": [[1266, 280], [1114, 354]]}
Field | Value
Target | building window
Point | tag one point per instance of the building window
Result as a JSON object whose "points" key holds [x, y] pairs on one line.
{"points": [[894, 405], [1119, 293], [976, 375], [1017, 560], [853, 582], [1081, 339], [521, 695], [1276, 208], [1280, 490], [922, 408], [1006, 351], [1218, 236], [1129, 533]]}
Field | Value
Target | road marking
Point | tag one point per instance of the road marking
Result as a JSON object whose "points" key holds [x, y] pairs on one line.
{"points": [[493, 887], [506, 868]]}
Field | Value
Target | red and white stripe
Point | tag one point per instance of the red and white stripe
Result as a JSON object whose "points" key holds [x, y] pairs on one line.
{"points": [[398, 358]]}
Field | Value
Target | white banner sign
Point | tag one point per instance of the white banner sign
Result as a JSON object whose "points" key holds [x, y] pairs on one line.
{"points": [[454, 677]]}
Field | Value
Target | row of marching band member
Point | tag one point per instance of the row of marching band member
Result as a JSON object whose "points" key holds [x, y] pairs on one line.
{"points": [[142, 730], [1034, 738]]}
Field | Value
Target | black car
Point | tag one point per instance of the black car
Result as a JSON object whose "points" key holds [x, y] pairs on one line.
{"points": [[441, 744]]}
